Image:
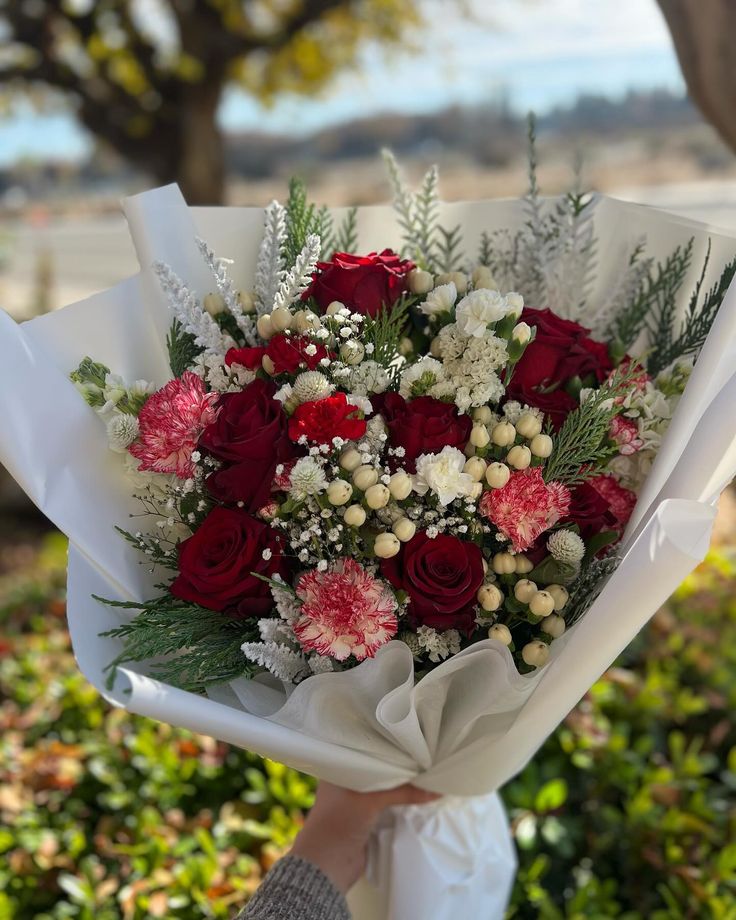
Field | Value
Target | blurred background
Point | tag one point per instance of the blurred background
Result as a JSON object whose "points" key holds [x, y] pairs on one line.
{"points": [[629, 809]]}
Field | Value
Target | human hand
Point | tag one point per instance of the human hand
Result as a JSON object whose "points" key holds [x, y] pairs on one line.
{"points": [[335, 835]]}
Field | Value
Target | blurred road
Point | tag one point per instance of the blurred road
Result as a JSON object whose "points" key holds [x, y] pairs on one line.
{"points": [[83, 255]]}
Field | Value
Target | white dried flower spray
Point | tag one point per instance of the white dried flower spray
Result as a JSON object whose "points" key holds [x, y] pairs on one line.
{"points": [[225, 288], [281, 661], [190, 313], [270, 267]]}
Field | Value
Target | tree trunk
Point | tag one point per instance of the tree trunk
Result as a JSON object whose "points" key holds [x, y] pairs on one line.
{"points": [[703, 33], [200, 157]]}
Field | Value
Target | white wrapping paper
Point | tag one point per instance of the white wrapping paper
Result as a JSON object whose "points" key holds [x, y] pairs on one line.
{"points": [[474, 721]]}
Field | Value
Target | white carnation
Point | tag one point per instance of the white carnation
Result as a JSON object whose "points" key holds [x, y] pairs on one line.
{"points": [[420, 377], [479, 309], [443, 475], [362, 402], [440, 300], [122, 430]]}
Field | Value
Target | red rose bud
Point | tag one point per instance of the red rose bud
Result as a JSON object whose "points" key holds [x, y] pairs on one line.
{"points": [[441, 576], [247, 357], [324, 419], [219, 563], [289, 352], [422, 426], [364, 284]]}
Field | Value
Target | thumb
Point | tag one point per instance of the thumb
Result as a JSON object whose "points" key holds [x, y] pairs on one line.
{"points": [[407, 795]]}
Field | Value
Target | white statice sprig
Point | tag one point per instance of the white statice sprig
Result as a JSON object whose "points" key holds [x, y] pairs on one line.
{"points": [[270, 266], [189, 312], [228, 293]]}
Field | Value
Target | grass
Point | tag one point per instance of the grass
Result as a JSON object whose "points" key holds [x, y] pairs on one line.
{"points": [[627, 812]]}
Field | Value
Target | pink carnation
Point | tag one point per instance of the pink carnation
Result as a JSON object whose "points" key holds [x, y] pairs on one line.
{"points": [[526, 506], [171, 422], [625, 432], [621, 501], [345, 611]]}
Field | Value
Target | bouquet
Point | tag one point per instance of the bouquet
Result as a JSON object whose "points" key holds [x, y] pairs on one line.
{"points": [[393, 446], [403, 483]]}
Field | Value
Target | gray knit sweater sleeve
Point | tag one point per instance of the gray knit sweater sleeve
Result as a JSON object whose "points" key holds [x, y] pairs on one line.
{"points": [[294, 889]]}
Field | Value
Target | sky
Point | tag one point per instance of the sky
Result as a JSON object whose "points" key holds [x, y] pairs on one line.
{"points": [[536, 53]]}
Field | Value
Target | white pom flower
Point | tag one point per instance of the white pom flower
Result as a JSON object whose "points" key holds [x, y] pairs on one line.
{"points": [[122, 430], [566, 546], [440, 300], [477, 310], [444, 474], [311, 386], [306, 478]]}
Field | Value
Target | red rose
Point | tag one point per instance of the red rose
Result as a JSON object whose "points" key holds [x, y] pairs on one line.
{"points": [[325, 419], [560, 351], [251, 358], [216, 564], [590, 511], [422, 426], [363, 283], [290, 352], [250, 435], [441, 577], [621, 501]]}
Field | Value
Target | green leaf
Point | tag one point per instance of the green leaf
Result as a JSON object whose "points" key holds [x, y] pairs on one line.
{"points": [[551, 796], [595, 544]]}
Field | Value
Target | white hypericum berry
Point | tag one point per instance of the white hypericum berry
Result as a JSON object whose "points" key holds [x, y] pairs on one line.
{"points": [[400, 485], [490, 597], [355, 516], [566, 546], [364, 477], [311, 386], [500, 633], [420, 282], [524, 590], [483, 278], [479, 436], [350, 459], [280, 319], [520, 457], [214, 304], [560, 595], [541, 446], [404, 529], [377, 496], [264, 326], [542, 604], [503, 434], [528, 425], [503, 564], [475, 467], [497, 475], [553, 625], [483, 415], [339, 492], [386, 545], [122, 430], [535, 653]]}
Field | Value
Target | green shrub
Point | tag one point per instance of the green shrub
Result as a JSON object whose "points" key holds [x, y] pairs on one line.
{"points": [[627, 812]]}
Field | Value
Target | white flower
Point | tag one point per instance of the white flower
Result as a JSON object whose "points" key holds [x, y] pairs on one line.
{"points": [[306, 478], [311, 386], [440, 300], [122, 430], [368, 377], [438, 645], [284, 393], [443, 474], [281, 661], [420, 377], [474, 371], [479, 309], [362, 402], [515, 302], [566, 546]]}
